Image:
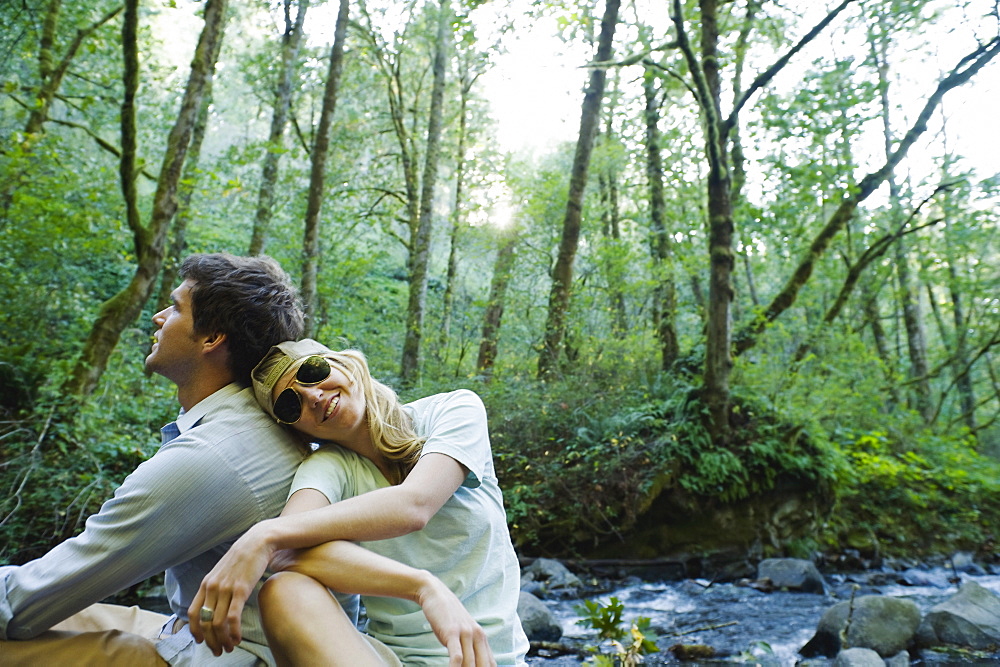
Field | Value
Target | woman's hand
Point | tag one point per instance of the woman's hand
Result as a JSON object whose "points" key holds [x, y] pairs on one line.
{"points": [[454, 626], [225, 591]]}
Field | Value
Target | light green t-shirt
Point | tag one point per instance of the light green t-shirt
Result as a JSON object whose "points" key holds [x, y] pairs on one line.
{"points": [[466, 544]]}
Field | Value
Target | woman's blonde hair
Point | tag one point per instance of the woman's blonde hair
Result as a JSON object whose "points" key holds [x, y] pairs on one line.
{"points": [[389, 426]]}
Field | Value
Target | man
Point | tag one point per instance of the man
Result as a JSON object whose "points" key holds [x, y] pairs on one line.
{"points": [[224, 466]]}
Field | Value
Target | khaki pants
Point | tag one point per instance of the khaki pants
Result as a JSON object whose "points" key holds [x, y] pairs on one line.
{"points": [[102, 634]]}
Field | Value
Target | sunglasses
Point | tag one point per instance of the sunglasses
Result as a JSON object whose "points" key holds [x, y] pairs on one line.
{"points": [[288, 406]]}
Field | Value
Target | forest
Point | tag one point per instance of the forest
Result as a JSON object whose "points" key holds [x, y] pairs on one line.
{"points": [[751, 302]]}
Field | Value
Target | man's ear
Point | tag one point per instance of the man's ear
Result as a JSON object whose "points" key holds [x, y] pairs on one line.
{"points": [[214, 342]]}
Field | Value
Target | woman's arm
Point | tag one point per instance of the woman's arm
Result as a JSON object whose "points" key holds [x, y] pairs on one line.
{"points": [[375, 515], [351, 569], [309, 520]]}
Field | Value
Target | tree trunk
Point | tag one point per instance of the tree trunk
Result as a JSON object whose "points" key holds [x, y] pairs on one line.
{"points": [[185, 190], [562, 274], [310, 243], [718, 357], [276, 139], [607, 181], [420, 255], [873, 318], [456, 214], [736, 153], [503, 268], [908, 296], [960, 355], [915, 336], [122, 309], [665, 293]]}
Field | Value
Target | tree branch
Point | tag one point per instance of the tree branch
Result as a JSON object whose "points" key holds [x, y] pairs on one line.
{"points": [[963, 71], [767, 75], [103, 143], [993, 341]]}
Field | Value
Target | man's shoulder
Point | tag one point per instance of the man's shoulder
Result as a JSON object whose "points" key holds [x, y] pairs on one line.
{"points": [[237, 422]]}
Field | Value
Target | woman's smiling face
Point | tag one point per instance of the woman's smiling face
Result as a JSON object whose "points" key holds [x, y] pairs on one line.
{"points": [[333, 409]]}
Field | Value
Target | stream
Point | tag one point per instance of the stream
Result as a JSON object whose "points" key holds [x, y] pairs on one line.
{"points": [[748, 626]]}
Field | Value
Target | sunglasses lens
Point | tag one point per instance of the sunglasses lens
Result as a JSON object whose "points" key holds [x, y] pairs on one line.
{"points": [[313, 371], [288, 408]]}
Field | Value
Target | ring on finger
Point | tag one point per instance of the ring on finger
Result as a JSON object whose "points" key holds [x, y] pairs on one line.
{"points": [[206, 615]]}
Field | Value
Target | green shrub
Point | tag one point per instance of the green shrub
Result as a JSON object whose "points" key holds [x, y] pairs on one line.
{"points": [[928, 494]]}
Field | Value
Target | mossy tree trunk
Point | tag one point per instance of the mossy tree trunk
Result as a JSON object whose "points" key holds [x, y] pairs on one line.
{"points": [[185, 191], [421, 244], [457, 219], [122, 309], [503, 269], [562, 273], [311, 252], [290, 41], [665, 292]]}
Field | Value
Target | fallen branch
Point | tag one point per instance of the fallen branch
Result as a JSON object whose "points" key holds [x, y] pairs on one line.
{"points": [[558, 648], [702, 629]]}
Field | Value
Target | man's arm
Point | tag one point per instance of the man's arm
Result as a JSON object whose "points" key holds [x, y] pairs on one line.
{"points": [[174, 506]]}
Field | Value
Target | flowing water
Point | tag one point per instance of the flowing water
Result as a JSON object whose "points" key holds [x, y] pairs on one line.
{"points": [[748, 626]]}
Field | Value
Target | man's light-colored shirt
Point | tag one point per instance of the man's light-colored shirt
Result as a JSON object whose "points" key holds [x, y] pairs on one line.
{"points": [[229, 468], [466, 544]]}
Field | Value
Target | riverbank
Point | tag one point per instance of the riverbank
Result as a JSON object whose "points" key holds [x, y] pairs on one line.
{"points": [[747, 624]]}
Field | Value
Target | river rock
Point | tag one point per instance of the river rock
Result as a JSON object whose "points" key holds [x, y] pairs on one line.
{"points": [[553, 576], [884, 624], [963, 561], [537, 620], [858, 657], [901, 659], [969, 618], [794, 574]]}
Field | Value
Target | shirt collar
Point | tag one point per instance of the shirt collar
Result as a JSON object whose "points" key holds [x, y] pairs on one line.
{"points": [[188, 419]]}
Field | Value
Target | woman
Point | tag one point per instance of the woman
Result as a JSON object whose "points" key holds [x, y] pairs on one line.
{"points": [[415, 486]]}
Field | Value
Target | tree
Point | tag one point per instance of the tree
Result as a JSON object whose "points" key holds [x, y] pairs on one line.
{"points": [[503, 268], [562, 273], [966, 68], [907, 294], [468, 79], [310, 242], [665, 293], [608, 177], [52, 69], [50, 72], [421, 241], [290, 41], [122, 309], [178, 231]]}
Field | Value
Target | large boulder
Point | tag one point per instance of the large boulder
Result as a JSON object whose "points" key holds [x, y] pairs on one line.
{"points": [[970, 618], [793, 574], [884, 624], [537, 620]]}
